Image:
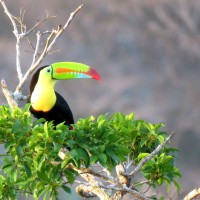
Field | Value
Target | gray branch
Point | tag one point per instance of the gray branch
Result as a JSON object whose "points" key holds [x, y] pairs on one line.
{"points": [[146, 159]]}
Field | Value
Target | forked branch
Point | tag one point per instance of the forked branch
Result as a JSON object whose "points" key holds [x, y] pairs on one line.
{"points": [[102, 183], [37, 57]]}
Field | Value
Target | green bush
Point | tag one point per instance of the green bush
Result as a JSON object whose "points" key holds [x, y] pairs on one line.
{"points": [[31, 165]]}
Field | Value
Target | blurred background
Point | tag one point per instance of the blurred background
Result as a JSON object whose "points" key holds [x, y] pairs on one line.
{"points": [[147, 52]]}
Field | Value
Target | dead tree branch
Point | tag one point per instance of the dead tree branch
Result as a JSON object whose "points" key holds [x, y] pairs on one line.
{"points": [[89, 175], [22, 33], [8, 94], [18, 38], [51, 40], [194, 194], [101, 183]]}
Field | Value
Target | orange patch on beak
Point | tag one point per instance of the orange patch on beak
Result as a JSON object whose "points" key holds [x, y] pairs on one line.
{"points": [[63, 70]]}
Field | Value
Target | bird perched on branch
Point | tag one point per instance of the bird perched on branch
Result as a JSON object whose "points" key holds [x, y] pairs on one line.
{"points": [[47, 103]]}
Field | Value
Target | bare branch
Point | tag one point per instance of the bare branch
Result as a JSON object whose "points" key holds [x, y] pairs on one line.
{"points": [[61, 30], [9, 96], [94, 188], [49, 44], [18, 37], [86, 191], [36, 64], [15, 31], [121, 174], [20, 20], [194, 194], [146, 159], [140, 183], [126, 189], [116, 185], [32, 46], [18, 65], [52, 38], [39, 23], [36, 47]]}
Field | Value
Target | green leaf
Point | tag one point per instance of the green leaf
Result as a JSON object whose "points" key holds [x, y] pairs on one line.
{"points": [[161, 139], [19, 150], [27, 107], [177, 185], [93, 159], [16, 127], [28, 170], [103, 159], [66, 189], [70, 174], [112, 155], [130, 116], [15, 175], [71, 143], [101, 123], [65, 161], [80, 154], [39, 122], [142, 155], [101, 148], [42, 175], [41, 162], [8, 145], [46, 131], [144, 141], [160, 181]]}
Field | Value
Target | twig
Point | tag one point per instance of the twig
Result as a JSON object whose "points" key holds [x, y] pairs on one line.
{"points": [[35, 65], [86, 191], [38, 23], [116, 185], [18, 38], [49, 44], [32, 46], [94, 188], [193, 194], [10, 16], [129, 163], [52, 38], [9, 96], [20, 20], [61, 30], [36, 47], [128, 190], [140, 183], [146, 159], [148, 188]]}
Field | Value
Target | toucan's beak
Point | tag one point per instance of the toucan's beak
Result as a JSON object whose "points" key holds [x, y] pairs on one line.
{"points": [[72, 70]]}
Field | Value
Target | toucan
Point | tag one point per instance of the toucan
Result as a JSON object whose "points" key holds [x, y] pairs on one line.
{"points": [[49, 104]]}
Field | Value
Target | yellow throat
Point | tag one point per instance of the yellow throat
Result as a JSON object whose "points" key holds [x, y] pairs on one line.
{"points": [[43, 97]]}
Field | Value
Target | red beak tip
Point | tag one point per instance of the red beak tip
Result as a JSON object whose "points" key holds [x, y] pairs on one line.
{"points": [[95, 75], [98, 78]]}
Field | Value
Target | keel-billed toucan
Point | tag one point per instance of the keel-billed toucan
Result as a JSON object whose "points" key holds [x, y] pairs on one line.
{"points": [[48, 104]]}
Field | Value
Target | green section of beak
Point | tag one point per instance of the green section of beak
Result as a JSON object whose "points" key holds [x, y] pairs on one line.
{"points": [[72, 70]]}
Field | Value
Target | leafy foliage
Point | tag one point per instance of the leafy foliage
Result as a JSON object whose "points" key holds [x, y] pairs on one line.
{"points": [[31, 164]]}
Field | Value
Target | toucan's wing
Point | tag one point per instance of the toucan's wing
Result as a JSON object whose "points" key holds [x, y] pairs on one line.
{"points": [[62, 111]]}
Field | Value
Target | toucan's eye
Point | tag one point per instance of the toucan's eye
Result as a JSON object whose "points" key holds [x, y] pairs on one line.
{"points": [[48, 70]]}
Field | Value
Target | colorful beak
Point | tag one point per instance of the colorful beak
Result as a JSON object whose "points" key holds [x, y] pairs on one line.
{"points": [[72, 70]]}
